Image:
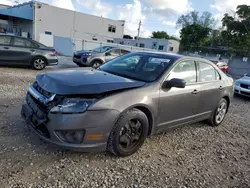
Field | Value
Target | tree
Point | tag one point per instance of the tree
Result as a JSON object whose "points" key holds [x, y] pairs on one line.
{"points": [[127, 37], [160, 35], [193, 35], [237, 29], [206, 19]]}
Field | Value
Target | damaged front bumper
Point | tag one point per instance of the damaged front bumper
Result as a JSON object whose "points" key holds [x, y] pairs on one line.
{"points": [[88, 131]]}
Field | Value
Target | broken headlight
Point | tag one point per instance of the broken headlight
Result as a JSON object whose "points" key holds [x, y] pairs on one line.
{"points": [[72, 105]]}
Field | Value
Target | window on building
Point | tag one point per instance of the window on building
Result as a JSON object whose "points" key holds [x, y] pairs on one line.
{"points": [[112, 28], [48, 33], [142, 45], [185, 70], [208, 73], [171, 49], [161, 47], [110, 41], [5, 40], [121, 42]]}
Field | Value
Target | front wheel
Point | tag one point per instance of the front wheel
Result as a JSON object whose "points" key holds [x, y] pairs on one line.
{"points": [[219, 113], [129, 133], [95, 64], [38, 63]]}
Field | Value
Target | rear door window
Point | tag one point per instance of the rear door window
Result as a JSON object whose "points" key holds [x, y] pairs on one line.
{"points": [[5, 40], [208, 72], [22, 42], [115, 52], [124, 52]]}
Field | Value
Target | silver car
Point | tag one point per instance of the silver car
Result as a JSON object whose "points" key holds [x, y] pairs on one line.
{"points": [[116, 106], [242, 85], [98, 56]]}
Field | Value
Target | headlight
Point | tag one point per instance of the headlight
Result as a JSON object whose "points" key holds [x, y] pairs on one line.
{"points": [[72, 105], [237, 83]]}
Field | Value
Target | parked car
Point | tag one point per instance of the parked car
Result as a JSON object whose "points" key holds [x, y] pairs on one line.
{"points": [[222, 65], [116, 106], [242, 85], [22, 51], [96, 57]]}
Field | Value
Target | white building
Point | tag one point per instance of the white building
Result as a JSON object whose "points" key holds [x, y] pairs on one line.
{"points": [[152, 43], [35, 19]]}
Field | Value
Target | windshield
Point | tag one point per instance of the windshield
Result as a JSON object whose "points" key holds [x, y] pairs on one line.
{"points": [[138, 66], [102, 49]]}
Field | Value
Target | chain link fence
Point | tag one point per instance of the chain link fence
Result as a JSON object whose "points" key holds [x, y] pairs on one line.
{"points": [[89, 45]]}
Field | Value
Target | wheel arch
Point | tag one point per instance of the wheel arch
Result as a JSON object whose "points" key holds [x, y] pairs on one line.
{"points": [[146, 110], [228, 101], [97, 59]]}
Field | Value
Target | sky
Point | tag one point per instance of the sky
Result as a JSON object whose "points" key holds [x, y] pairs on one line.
{"points": [[155, 15]]}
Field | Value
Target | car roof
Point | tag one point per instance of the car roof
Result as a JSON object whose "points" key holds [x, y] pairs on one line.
{"points": [[169, 55], [175, 57], [3, 34]]}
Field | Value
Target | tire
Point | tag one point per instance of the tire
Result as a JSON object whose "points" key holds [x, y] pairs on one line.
{"points": [[95, 64], [215, 120], [38, 63], [116, 144]]}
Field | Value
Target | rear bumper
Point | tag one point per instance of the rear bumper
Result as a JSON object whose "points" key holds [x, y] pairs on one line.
{"points": [[89, 122], [53, 60]]}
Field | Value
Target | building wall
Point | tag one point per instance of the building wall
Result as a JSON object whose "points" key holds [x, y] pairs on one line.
{"points": [[66, 23], [156, 44], [175, 44]]}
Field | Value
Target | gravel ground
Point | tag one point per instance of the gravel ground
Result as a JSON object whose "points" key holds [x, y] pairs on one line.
{"points": [[192, 156]]}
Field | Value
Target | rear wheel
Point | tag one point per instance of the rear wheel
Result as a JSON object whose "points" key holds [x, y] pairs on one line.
{"points": [[38, 63], [95, 64], [129, 133], [219, 113]]}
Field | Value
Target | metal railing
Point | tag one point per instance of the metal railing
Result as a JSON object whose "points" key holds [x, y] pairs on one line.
{"points": [[89, 45]]}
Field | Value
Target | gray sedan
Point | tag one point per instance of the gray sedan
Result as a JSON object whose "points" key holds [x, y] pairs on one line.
{"points": [[25, 52], [116, 106], [242, 85]]}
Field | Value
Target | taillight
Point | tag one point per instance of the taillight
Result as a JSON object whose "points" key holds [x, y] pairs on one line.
{"points": [[54, 52]]}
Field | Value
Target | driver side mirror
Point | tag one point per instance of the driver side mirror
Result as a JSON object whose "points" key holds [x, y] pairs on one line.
{"points": [[107, 54], [175, 82]]}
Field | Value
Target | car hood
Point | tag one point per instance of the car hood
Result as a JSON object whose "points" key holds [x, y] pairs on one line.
{"points": [[82, 52], [84, 81], [245, 80]]}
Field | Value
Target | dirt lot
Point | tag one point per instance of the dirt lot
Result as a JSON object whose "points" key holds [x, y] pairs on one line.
{"points": [[193, 156]]}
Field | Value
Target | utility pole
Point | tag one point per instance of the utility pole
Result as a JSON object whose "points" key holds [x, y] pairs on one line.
{"points": [[139, 30]]}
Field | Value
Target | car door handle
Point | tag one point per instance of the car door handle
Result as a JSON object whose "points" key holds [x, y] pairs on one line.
{"points": [[195, 92], [6, 48], [32, 50]]}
